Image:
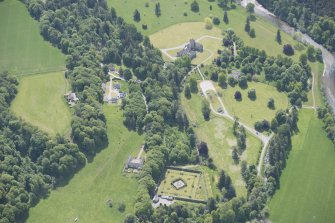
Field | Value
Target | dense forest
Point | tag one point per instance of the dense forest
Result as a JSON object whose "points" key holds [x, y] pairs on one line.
{"points": [[313, 17], [30, 161]]}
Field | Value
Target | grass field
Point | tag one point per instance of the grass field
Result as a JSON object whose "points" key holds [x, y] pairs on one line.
{"points": [[249, 111], [172, 13], [40, 102], [307, 184], [86, 194], [218, 134], [317, 69], [195, 185], [22, 48]]}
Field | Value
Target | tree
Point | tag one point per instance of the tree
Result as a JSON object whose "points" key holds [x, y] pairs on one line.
{"points": [[187, 92], [225, 17], [208, 23], [235, 156], [203, 148], [158, 9], [243, 82], [122, 206], [205, 108], [250, 8], [214, 76], [193, 85], [127, 74], [195, 6], [222, 80], [216, 21], [238, 95], [288, 50], [303, 59], [252, 33], [311, 53], [278, 37], [271, 103], [222, 180], [252, 94], [247, 25], [137, 16]]}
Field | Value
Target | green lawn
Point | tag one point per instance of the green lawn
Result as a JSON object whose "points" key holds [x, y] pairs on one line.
{"points": [[22, 48], [40, 101], [249, 111], [218, 134], [172, 13], [317, 69], [195, 185], [86, 194], [307, 184]]}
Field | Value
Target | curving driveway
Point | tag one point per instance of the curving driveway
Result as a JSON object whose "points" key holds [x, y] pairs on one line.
{"points": [[207, 85]]}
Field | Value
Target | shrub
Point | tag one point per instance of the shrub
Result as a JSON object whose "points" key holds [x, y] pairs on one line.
{"points": [[208, 23], [216, 21], [122, 206], [238, 96], [252, 94], [144, 26], [288, 50], [271, 103], [195, 6], [252, 33]]}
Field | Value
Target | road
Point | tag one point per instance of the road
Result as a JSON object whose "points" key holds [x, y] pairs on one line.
{"points": [[207, 85]]}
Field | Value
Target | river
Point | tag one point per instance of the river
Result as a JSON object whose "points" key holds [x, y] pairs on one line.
{"points": [[328, 77]]}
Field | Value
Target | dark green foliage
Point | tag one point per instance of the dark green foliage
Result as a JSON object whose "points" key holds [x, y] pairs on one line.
{"points": [[252, 94], [250, 8], [247, 25], [187, 92], [278, 37], [137, 16], [31, 162], [238, 96], [235, 156], [203, 149], [225, 17], [158, 9], [288, 49], [252, 33], [195, 6], [308, 16], [216, 21], [262, 126], [222, 80], [271, 104], [193, 85], [205, 109], [214, 76]]}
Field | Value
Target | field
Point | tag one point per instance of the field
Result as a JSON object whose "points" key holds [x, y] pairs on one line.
{"points": [[172, 13], [86, 194], [40, 102], [217, 132], [22, 48], [195, 186], [249, 111], [317, 69], [307, 183]]}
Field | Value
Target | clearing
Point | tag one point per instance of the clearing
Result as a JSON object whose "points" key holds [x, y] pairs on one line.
{"points": [[307, 186], [249, 111], [40, 101], [172, 12], [22, 48], [87, 193], [217, 132]]}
